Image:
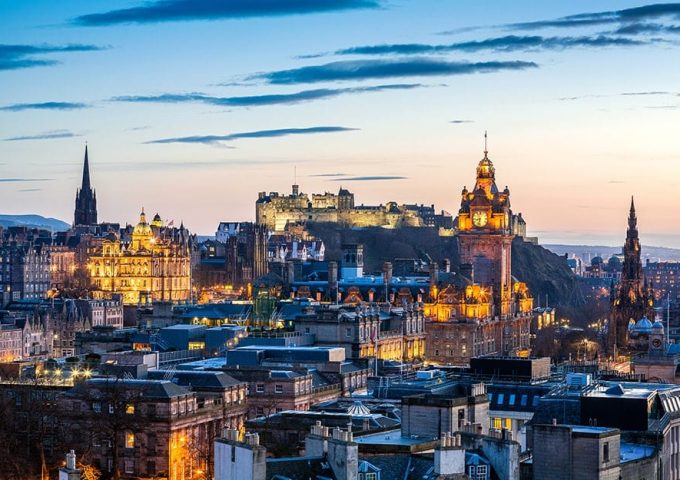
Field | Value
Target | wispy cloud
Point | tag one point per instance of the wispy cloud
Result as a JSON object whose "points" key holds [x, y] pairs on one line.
{"points": [[625, 16], [17, 180], [461, 121], [141, 127], [261, 100], [507, 43], [329, 175], [18, 107], [369, 178], [375, 69], [30, 190], [54, 134], [647, 29], [623, 94], [212, 139], [182, 10], [13, 57]]}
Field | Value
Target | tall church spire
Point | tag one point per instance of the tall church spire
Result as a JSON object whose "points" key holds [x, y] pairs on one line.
{"points": [[86, 173], [86, 199]]}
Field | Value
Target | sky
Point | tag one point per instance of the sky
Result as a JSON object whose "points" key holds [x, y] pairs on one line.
{"points": [[190, 108]]}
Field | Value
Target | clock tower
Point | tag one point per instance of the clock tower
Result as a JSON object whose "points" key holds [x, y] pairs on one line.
{"points": [[485, 235]]}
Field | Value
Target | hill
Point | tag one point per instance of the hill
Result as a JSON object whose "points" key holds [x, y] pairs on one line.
{"points": [[33, 221], [545, 272]]}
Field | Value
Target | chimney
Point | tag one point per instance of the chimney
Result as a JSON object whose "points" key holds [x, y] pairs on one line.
{"points": [[70, 472], [343, 455], [316, 442], [447, 265], [449, 456], [240, 460]]}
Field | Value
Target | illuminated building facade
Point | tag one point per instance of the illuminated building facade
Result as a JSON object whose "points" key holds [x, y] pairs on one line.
{"points": [[633, 299], [154, 264], [278, 210], [368, 330], [487, 311], [154, 427]]}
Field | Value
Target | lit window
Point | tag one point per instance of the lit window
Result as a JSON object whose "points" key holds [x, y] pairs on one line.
{"points": [[129, 440], [523, 401], [130, 409], [501, 398], [511, 400], [496, 423], [507, 423]]}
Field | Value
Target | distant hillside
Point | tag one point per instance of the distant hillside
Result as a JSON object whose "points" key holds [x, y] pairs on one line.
{"points": [[587, 252], [33, 221], [544, 272]]}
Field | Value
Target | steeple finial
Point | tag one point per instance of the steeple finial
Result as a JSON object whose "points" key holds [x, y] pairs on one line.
{"points": [[486, 146], [632, 204]]}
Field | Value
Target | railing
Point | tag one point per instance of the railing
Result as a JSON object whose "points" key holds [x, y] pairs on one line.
{"points": [[167, 358]]}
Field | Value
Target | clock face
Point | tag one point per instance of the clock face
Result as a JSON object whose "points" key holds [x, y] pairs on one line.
{"points": [[656, 343], [479, 219]]}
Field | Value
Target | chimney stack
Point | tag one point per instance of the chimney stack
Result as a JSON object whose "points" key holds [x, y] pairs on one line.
{"points": [[70, 472]]}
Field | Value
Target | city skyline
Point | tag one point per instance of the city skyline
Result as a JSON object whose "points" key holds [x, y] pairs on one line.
{"points": [[191, 100]]}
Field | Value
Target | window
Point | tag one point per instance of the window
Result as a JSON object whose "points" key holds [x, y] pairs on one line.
{"points": [[129, 465], [97, 407], [511, 400], [151, 468], [501, 398], [496, 423], [605, 452], [523, 401], [536, 399], [507, 423], [259, 411], [278, 388], [259, 388], [371, 476], [348, 332], [130, 409], [129, 440], [111, 410]]}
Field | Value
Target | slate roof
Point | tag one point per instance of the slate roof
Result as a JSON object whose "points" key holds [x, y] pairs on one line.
{"points": [[156, 389], [298, 468], [200, 380]]}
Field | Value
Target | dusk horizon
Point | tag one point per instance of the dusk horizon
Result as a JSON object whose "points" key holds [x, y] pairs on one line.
{"points": [[176, 90]]}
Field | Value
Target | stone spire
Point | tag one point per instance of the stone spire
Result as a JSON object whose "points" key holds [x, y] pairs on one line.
{"points": [[86, 199], [86, 174]]}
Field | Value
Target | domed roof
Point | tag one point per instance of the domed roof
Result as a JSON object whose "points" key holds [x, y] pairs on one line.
{"points": [[485, 169], [658, 325], [142, 228], [643, 325], [358, 408], [597, 261]]}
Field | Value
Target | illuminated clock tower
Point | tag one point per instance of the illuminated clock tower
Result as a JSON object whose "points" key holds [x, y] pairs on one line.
{"points": [[485, 235]]}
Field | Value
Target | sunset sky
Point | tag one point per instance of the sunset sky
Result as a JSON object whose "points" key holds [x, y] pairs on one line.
{"points": [[189, 108]]}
